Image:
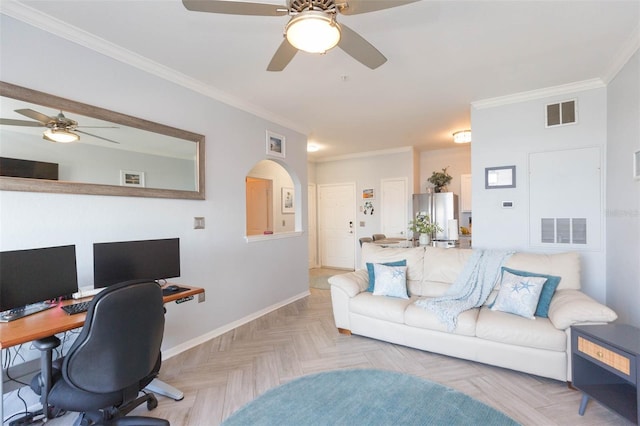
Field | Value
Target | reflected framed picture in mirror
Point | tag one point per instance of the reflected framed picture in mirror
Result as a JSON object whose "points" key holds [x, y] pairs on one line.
{"points": [[500, 177], [131, 178]]}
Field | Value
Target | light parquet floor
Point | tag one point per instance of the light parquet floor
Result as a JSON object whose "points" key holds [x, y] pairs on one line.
{"points": [[220, 376]]}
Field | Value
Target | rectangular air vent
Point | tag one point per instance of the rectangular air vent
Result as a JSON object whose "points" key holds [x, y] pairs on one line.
{"points": [[563, 230], [561, 113]]}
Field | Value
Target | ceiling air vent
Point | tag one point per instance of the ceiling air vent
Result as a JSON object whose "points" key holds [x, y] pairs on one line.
{"points": [[561, 113]]}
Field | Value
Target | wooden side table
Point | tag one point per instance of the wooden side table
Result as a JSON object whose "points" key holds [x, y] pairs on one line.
{"points": [[605, 360]]}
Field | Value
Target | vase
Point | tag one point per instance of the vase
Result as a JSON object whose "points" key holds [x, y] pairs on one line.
{"points": [[424, 239]]}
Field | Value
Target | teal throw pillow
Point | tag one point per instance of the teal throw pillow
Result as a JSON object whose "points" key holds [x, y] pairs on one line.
{"points": [[549, 288], [372, 275]]}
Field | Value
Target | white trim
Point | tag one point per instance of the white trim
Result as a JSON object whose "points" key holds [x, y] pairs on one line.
{"points": [[628, 49], [83, 38], [579, 86], [189, 344], [268, 237], [364, 154]]}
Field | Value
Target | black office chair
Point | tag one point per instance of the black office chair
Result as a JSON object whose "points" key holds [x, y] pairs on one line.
{"points": [[115, 356]]}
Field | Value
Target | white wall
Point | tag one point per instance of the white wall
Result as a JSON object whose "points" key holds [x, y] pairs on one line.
{"points": [[623, 193], [505, 135], [366, 172], [240, 278]]}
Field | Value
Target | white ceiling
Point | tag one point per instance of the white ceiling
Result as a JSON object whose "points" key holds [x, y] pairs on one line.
{"points": [[442, 55]]}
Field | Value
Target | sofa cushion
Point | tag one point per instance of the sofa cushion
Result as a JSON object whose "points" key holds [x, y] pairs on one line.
{"points": [[372, 274], [548, 289], [441, 268], [516, 330], [422, 318], [565, 265], [518, 294], [414, 256], [380, 307]]}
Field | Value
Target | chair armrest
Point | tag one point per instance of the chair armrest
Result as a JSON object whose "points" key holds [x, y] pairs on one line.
{"points": [[352, 283], [570, 307]]}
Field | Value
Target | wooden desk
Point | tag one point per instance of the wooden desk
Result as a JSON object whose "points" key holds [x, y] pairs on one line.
{"points": [[55, 320]]}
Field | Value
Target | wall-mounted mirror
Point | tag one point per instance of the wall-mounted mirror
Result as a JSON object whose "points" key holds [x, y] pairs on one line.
{"points": [[110, 153]]}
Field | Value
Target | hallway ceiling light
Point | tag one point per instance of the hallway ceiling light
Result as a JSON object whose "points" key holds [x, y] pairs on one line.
{"points": [[463, 136]]}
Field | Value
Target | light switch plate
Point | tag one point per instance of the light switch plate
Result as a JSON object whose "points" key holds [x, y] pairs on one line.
{"points": [[198, 223]]}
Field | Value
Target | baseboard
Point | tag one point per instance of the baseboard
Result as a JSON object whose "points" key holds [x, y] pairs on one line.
{"points": [[171, 352]]}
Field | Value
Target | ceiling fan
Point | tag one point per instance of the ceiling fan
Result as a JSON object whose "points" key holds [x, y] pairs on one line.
{"points": [[59, 128], [312, 27]]}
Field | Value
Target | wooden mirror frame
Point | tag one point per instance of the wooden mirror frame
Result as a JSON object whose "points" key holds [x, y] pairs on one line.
{"points": [[40, 185]]}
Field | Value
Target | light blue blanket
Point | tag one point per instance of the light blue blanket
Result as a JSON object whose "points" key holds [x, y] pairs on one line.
{"points": [[471, 288]]}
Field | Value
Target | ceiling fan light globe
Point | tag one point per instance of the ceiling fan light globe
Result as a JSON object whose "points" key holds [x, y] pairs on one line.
{"points": [[60, 136], [313, 32]]}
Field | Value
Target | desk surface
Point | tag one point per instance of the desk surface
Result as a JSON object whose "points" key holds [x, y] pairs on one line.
{"points": [[55, 320]]}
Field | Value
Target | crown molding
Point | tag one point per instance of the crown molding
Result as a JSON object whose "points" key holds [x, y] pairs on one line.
{"points": [[625, 53], [35, 18], [363, 154], [594, 83]]}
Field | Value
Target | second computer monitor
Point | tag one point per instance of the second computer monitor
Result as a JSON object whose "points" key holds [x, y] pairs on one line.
{"points": [[115, 262]]}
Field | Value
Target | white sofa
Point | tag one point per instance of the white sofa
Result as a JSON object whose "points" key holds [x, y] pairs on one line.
{"points": [[539, 346]]}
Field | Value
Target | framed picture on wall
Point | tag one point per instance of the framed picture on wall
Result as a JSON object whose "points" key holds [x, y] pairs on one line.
{"points": [[275, 145], [500, 177], [287, 200], [131, 178], [368, 194]]}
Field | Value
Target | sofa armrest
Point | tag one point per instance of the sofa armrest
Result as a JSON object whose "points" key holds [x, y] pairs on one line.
{"points": [[570, 307], [351, 283]]}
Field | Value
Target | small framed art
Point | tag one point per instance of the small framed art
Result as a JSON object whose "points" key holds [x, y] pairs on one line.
{"points": [[276, 145], [287, 200]]}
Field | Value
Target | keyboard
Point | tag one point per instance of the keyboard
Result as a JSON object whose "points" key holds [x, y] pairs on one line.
{"points": [[76, 308]]}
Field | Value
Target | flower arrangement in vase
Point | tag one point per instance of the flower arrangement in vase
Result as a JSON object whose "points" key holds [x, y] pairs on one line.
{"points": [[422, 225], [440, 180]]}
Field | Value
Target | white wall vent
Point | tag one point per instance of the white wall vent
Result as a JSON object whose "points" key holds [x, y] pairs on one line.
{"points": [[561, 113], [563, 230]]}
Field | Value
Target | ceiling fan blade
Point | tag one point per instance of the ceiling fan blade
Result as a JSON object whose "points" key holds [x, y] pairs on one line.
{"points": [[359, 48], [282, 57], [354, 7], [38, 116], [235, 7], [96, 136], [10, 122]]}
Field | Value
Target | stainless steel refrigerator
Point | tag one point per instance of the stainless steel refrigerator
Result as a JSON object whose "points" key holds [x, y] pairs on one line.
{"points": [[442, 208]]}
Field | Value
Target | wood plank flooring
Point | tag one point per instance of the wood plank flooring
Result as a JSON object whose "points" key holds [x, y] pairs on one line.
{"points": [[220, 376]]}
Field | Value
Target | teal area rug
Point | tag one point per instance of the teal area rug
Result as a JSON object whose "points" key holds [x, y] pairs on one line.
{"points": [[365, 397], [320, 281]]}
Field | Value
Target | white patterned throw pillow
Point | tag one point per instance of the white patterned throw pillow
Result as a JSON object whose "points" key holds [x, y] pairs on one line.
{"points": [[518, 295], [390, 281]]}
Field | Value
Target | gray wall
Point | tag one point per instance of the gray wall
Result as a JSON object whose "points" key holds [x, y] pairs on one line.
{"points": [[623, 193], [507, 134], [241, 279]]}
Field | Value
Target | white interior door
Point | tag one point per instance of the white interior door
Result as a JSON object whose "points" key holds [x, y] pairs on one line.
{"points": [[336, 218], [393, 207], [259, 205], [313, 226]]}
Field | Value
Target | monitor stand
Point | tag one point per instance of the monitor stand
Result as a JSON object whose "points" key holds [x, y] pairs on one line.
{"points": [[34, 308]]}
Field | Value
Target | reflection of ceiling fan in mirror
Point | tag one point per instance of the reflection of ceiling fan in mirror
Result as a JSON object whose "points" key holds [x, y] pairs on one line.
{"points": [[312, 27], [59, 128]]}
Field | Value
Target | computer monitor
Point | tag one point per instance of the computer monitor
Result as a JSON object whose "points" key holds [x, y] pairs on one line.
{"points": [[120, 261], [36, 275]]}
